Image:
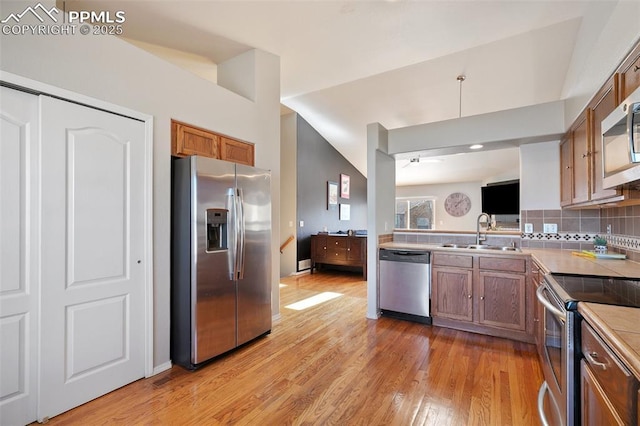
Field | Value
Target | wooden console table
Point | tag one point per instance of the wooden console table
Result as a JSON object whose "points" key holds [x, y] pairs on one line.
{"points": [[341, 250]]}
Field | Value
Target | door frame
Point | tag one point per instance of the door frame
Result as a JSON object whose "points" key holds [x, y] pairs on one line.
{"points": [[38, 88]]}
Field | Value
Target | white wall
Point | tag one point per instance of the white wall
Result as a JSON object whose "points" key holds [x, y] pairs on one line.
{"points": [[381, 181], [534, 123], [288, 185], [540, 176], [115, 71], [444, 221]]}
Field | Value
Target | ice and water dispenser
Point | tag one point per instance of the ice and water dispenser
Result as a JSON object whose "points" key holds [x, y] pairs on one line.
{"points": [[217, 229]]}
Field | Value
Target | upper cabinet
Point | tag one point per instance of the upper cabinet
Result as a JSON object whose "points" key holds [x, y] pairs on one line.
{"points": [[236, 151], [603, 104], [581, 174], [566, 170], [188, 140], [582, 163], [630, 74], [191, 140]]}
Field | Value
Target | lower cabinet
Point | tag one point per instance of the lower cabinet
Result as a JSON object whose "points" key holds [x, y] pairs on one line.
{"points": [[609, 390], [483, 293], [502, 300], [452, 295], [596, 408], [536, 275]]}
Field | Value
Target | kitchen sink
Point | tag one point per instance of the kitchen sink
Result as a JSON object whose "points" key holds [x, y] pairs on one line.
{"points": [[480, 247]]}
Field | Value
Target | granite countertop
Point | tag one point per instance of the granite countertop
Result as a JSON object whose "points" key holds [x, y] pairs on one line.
{"points": [[618, 327]]}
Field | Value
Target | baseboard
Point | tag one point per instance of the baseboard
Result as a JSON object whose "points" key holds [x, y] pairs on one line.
{"points": [[160, 368]]}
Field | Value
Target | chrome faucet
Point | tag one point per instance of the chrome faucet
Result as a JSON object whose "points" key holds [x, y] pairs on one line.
{"points": [[488, 222]]}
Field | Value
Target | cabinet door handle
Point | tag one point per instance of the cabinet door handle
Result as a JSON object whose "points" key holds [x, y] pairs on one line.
{"points": [[591, 357], [481, 297], [469, 296], [636, 68]]}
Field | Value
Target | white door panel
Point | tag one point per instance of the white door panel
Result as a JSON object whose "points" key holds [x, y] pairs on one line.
{"points": [[92, 254], [18, 256]]}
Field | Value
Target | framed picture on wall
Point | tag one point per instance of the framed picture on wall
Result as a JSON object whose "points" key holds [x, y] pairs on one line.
{"points": [[344, 186], [345, 211], [332, 195]]}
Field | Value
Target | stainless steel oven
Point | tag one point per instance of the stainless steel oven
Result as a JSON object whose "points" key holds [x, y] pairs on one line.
{"points": [[557, 393]]}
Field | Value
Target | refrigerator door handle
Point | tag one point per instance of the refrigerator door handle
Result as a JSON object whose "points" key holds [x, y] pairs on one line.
{"points": [[231, 234], [240, 254]]}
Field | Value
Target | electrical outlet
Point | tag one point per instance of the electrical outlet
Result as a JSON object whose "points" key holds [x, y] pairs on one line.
{"points": [[302, 224], [608, 228], [528, 228], [550, 228]]}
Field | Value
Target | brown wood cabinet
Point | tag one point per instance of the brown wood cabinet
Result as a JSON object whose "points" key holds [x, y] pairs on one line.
{"points": [[609, 390], [191, 140], [452, 293], [604, 103], [502, 300], [339, 250], [581, 174], [580, 191], [236, 151], [629, 74], [566, 170], [536, 275], [482, 293], [188, 140], [596, 408]]}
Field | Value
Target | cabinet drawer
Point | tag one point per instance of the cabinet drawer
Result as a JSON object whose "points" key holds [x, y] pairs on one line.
{"points": [[503, 264], [614, 378], [459, 260], [336, 242], [336, 253]]}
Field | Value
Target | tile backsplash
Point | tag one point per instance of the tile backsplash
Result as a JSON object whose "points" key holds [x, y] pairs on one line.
{"points": [[576, 229]]}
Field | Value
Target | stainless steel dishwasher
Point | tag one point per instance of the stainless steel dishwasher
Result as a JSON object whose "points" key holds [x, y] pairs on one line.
{"points": [[405, 284]]}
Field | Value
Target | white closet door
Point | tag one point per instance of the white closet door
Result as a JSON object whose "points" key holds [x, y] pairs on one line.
{"points": [[18, 256], [93, 307]]}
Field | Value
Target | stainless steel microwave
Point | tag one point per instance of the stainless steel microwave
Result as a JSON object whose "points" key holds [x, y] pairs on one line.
{"points": [[621, 143]]}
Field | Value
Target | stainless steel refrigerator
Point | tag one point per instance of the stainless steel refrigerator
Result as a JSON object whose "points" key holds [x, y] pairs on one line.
{"points": [[221, 258]]}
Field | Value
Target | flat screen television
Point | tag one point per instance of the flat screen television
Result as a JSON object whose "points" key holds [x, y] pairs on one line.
{"points": [[501, 198]]}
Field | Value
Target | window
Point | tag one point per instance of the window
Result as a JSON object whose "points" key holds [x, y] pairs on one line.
{"points": [[415, 213]]}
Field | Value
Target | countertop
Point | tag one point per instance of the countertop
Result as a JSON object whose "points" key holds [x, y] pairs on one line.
{"points": [[618, 327], [563, 262], [553, 260]]}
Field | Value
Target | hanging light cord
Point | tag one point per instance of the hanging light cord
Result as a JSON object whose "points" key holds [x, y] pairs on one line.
{"points": [[460, 78]]}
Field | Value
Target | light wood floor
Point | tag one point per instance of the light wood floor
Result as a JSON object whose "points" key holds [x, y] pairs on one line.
{"points": [[330, 365]]}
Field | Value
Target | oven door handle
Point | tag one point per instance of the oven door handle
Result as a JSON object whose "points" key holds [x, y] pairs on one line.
{"points": [[562, 316], [543, 389]]}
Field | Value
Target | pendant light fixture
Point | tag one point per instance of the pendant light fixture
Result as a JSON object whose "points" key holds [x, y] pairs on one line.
{"points": [[460, 79]]}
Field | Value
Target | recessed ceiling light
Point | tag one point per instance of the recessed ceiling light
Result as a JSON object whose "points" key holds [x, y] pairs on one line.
{"points": [[476, 146]]}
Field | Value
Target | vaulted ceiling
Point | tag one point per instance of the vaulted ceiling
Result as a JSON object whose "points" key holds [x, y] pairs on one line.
{"points": [[345, 64]]}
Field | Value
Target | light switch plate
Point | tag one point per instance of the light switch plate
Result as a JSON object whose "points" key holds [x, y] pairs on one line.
{"points": [[550, 228], [528, 228]]}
